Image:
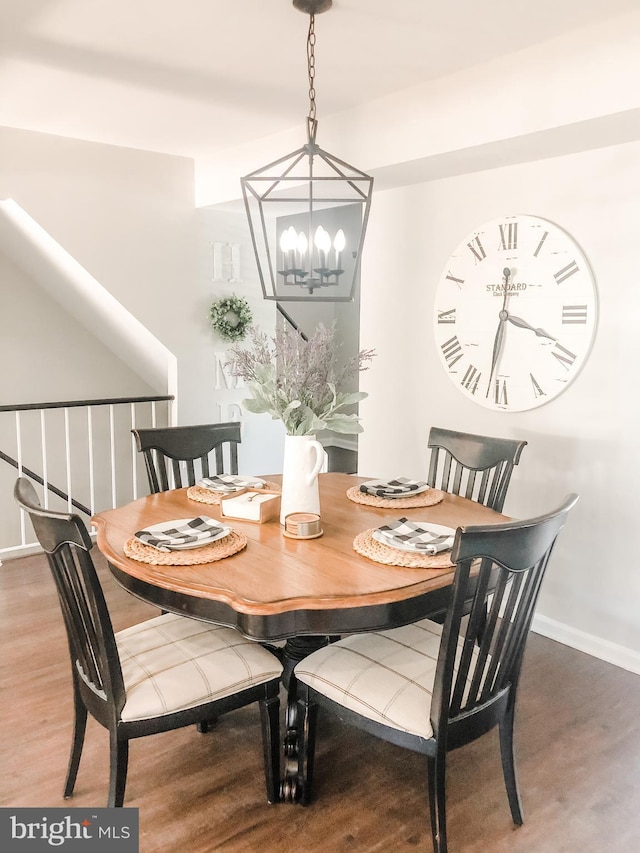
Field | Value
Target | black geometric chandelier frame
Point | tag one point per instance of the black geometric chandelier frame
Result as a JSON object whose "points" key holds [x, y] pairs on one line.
{"points": [[308, 212]]}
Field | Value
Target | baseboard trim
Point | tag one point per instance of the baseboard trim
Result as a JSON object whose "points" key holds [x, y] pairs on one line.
{"points": [[596, 646]]}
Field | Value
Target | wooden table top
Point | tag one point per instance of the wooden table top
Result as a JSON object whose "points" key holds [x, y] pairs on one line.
{"points": [[277, 586]]}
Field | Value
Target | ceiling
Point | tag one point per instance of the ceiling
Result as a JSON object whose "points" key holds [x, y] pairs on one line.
{"points": [[188, 77]]}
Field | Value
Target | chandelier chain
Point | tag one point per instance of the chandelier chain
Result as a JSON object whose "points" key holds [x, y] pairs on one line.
{"points": [[311, 69]]}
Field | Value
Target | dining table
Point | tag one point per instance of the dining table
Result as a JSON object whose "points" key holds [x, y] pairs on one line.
{"points": [[293, 595]]}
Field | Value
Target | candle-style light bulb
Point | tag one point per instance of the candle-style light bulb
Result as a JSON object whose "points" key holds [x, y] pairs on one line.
{"points": [[323, 245], [287, 246], [301, 247], [339, 243]]}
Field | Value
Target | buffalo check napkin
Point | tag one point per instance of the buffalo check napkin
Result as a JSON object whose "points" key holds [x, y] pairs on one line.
{"points": [[401, 487], [416, 536], [228, 483], [185, 533]]}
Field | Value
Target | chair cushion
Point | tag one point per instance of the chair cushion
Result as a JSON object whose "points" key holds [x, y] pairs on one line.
{"points": [[171, 662], [386, 676]]}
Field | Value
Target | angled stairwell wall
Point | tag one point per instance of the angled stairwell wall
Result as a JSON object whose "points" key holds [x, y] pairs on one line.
{"points": [[35, 254]]}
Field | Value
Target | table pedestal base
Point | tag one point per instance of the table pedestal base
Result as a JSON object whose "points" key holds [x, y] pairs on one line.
{"points": [[293, 778]]}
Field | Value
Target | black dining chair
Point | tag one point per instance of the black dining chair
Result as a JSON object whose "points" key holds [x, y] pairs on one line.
{"points": [[188, 453], [432, 688], [478, 467], [159, 675]]}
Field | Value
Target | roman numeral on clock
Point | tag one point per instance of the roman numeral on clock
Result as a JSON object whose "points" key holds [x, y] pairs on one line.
{"points": [[537, 390], [478, 249], [539, 246], [574, 314], [566, 272], [509, 236], [445, 317], [452, 351], [471, 379], [564, 356], [500, 392], [458, 281]]}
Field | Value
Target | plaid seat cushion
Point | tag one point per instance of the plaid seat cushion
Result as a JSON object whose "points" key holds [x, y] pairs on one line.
{"points": [[386, 676], [171, 662]]}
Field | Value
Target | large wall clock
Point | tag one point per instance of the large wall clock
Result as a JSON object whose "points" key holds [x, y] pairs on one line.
{"points": [[515, 313]]}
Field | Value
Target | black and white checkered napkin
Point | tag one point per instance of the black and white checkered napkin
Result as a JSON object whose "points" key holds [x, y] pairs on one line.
{"points": [[401, 487], [415, 536], [186, 533], [228, 483]]}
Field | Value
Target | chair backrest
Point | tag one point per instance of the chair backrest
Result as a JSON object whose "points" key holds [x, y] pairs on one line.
{"points": [[185, 451], [478, 467], [95, 663], [499, 568]]}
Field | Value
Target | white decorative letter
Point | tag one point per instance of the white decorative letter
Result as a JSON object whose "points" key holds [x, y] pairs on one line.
{"points": [[224, 380]]}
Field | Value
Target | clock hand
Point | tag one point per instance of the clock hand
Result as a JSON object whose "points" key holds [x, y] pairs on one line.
{"points": [[524, 325], [506, 272], [497, 347], [497, 343]]}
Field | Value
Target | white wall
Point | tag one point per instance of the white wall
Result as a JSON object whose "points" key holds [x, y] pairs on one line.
{"points": [[39, 346], [220, 395], [586, 439], [125, 216]]}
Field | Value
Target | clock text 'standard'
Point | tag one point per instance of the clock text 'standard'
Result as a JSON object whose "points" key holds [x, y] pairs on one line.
{"points": [[496, 289]]}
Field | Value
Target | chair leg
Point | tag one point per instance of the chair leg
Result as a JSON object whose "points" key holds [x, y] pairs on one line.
{"points": [[436, 770], [118, 763], [307, 725], [79, 729], [270, 718], [205, 726], [509, 765]]}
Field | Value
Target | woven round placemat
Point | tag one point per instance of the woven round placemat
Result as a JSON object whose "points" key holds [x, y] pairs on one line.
{"points": [[230, 544], [428, 498], [207, 496], [365, 544]]}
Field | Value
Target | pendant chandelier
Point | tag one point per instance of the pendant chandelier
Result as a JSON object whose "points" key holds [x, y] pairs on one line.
{"points": [[308, 211]]}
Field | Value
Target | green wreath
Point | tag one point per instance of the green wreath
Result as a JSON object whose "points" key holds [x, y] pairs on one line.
{"points": [[231, 317]]}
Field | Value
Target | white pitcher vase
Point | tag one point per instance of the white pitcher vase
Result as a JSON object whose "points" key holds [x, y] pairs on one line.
{"points": [[303, 459]]}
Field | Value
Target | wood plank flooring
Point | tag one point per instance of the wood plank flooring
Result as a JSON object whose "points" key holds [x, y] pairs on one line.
{"points": [[577, 736]]}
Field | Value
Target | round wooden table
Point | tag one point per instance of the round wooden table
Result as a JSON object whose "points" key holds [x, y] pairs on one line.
{"points": [[278, 588], [302, 591]]}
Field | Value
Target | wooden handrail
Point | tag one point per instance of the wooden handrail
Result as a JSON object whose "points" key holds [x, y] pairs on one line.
{"points": [[70, 404], [56, 491], [291, 322]]}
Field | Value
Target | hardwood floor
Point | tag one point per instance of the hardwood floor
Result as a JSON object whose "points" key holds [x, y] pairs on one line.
{"points": [[577, 736]]}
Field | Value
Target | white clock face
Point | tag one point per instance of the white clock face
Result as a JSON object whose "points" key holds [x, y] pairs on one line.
{"points": [[515, 313]]}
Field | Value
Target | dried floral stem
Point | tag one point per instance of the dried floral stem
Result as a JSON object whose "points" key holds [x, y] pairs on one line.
{"points": [[297, 381]]}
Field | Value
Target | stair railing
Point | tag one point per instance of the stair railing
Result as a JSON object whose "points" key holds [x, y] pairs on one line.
{"points": [[80, 452]]}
